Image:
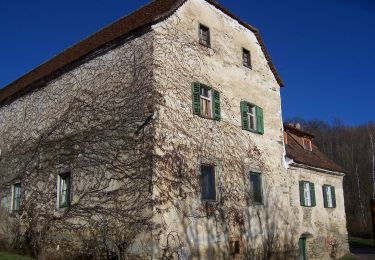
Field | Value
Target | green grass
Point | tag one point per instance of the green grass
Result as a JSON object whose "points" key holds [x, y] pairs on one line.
{"points": [[361, 241], [9, 256], [347, 257]]}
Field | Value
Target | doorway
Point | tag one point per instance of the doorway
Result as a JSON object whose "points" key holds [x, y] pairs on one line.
{"points": [[302, 248]]}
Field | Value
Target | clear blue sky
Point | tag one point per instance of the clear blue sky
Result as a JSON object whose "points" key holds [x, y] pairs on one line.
{"points": [[323, 49]]}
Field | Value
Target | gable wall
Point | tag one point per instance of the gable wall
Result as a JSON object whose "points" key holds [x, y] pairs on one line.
{"points": [[184, 140]]}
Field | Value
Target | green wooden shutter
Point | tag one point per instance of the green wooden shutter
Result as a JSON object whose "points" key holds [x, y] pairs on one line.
{"points": [[216, 105], [333, 197], [260, 123], [244, 118], [301, 193], [312, 193], [196, 98], [325, 197]]}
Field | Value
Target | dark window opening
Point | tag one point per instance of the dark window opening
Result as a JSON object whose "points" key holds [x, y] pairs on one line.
{"points": [[246, 58], [256, 188], [64, 190], [16, 197], [204, 35], [208, 182], [235, 247]]}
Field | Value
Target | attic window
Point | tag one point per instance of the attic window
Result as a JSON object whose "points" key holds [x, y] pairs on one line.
{"points": [[307, 144], [204, 35], [246, 58]]}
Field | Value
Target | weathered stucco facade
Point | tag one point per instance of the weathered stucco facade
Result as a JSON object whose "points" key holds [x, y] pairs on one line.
{"points": [[324, 228], [120, 120]]}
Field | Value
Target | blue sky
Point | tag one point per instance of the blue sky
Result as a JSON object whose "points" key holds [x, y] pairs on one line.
{"points": [[323, 49]]}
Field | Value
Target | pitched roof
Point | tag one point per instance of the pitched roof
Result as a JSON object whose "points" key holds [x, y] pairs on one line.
{"points": [[297, 131], [147, 15], [314, 158]]}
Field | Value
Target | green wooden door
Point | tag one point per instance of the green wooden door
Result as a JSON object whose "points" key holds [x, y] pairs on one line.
{"points": [[302, 248]]}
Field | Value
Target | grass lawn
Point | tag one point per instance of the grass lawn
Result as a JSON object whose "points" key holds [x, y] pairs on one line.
{"points": [[361, 241], [347, 257], [9, 256]]}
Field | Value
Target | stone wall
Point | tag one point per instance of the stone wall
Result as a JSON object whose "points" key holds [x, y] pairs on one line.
{"points": [[192, 227], [94, 121], [323, 227], [184, 141]]}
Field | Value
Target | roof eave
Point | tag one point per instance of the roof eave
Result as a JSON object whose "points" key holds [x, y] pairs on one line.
{"points": [[24, 83]]}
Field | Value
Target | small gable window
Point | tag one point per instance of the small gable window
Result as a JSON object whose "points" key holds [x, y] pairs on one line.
{"points": [[204, 35], [329, 196], [208, 182], [64, 190], [256, 195], [206, 101], [307, 194], [307, 145], [246, 58], [16, 197], [252, 117]]}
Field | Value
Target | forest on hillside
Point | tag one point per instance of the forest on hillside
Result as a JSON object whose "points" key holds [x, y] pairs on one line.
{"points": [[352, 147]]}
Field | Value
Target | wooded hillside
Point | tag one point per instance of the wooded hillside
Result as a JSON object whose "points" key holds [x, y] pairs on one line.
{"points": [[352, 147]]}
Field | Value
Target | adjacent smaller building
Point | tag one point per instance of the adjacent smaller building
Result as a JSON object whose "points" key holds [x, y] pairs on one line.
{"points": [[316, 196]]}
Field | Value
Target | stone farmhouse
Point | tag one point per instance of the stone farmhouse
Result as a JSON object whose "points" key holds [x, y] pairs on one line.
{"points": [[161, 137]]}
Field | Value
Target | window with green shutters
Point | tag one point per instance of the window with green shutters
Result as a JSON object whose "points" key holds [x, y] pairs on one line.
{"points": [[206, 101], [307, 194], [329, 196], [252, 117]]}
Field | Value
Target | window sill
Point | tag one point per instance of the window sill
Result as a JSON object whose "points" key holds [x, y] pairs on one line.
{"points": [[15, 213], [209, 118], [252, 131], [209, 201], [309, 207], [205, 45], [255, 205], [62, 207]]}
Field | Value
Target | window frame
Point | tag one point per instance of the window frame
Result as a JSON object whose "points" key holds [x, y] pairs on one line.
{"points": [[214, 172], [259, 175], [246, 63], [329, 204], [252, 115], [201, 28], [17, 185], [302, 194], [209, 100], [215, 101], [259, 117], [307, 144], [60, 178]]}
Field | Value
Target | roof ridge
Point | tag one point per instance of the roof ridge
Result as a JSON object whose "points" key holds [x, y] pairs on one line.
{"points": [[147, 15]]}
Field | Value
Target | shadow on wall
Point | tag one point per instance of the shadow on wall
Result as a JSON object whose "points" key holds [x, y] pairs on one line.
{"points": [[230, 228]]}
